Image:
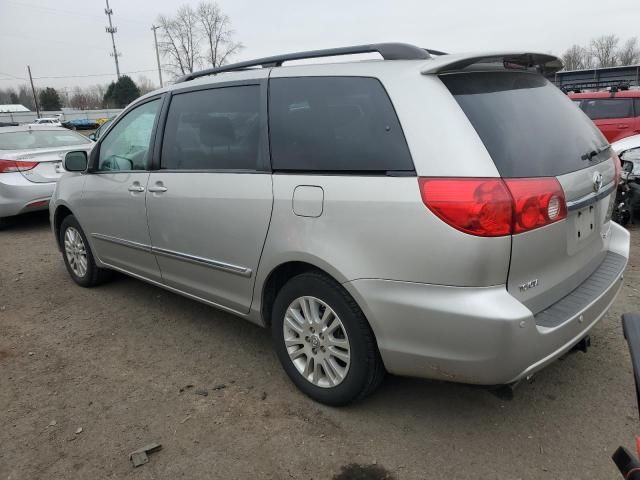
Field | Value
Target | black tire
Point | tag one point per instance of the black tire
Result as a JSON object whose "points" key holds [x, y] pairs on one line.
{"points": [[3, 223], [94, 275], [366, 370]]}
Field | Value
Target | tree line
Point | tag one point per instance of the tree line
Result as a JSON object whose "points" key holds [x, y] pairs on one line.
{"points": [[114, 95], [604, 51]]}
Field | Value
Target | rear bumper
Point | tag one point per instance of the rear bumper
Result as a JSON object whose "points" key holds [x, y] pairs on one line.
{"points": [[19, 195], [480, 336]]}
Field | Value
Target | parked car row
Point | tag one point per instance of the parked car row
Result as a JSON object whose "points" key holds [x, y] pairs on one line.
{"points": [[313, 200], [79, 124]]}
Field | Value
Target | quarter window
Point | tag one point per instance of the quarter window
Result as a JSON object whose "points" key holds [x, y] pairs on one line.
{"points": [[334, 124], [607, 108], [126, 147], [217, 129]]}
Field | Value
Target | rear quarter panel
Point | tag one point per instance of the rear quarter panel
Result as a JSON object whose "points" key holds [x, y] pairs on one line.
{"points": [[377, 227]]}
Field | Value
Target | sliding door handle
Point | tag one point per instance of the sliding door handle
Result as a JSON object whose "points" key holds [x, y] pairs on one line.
{"points": [[158, 189], [136, 188]]}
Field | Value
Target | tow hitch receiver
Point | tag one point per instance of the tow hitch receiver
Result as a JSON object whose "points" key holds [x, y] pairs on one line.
{"points": [[583, 345]]}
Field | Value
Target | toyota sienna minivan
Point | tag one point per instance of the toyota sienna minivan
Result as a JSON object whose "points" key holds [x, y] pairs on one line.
{"points": [[423, 214]]}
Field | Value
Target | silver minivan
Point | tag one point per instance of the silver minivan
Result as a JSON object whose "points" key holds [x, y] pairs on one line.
{"points": [[424, 214]]}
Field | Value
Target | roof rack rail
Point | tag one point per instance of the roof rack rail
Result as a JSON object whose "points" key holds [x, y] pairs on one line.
{"points": [[388, 51], [601, 85]]}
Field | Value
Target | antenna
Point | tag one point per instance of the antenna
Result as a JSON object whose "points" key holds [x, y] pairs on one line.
{"points": [[112, 30]]}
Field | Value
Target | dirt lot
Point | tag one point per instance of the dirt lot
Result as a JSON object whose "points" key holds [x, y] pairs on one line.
{"points": [[116, 361]]}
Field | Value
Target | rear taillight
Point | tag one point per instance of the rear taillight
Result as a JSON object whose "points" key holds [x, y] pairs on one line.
{"points": [[537, 202], [479, 206], [493, 207], [7, 166]]}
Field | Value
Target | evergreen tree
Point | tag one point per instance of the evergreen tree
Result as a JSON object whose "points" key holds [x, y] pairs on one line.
{"points": [[119, 94], [49, 99]]}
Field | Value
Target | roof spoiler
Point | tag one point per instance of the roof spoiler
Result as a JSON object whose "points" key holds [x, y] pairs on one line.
{"points": [[544, 63]]}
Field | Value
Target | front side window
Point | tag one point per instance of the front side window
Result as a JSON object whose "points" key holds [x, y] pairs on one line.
{"points": [[600, 108], [334, 124], [126, 147], [216, 129]]}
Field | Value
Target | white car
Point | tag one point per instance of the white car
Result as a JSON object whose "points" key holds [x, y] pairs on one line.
{"points": [[629, 149], [31, 164], [50, 122]]}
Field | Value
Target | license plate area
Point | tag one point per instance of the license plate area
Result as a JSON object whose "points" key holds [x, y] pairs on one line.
{"points": [[585, 220]]}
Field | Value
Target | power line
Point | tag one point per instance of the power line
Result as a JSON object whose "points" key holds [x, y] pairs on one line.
{"points": [[92, 74], [13, 77], [66, 12]]}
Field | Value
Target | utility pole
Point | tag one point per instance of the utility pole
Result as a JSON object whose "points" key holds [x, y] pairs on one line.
{"points": [[35, 97], [112, 30], [155, 39]]}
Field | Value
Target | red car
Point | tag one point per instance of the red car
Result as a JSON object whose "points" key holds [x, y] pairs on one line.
{"points": [[616, 114]]}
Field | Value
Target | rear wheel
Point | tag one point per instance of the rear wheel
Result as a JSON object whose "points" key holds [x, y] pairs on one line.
{"points": [[3, 223], [324, 342], [77, 255]]}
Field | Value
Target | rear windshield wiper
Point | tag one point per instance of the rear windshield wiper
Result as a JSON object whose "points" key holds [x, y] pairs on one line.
{"points": [[595, 153]]}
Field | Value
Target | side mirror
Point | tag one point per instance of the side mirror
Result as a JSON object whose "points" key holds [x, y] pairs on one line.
{"points": [[627, 166], [76, 161], [92, 137]]}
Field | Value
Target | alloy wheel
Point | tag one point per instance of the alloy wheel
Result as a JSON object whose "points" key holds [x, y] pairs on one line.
{"points": [[317, 342]]}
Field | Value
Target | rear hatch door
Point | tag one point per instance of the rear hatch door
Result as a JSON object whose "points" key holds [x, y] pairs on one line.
{"points": [[531, 130]]}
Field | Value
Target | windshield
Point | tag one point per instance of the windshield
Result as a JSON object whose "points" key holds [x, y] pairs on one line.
{"points": [[529, 127], [40, 139]]}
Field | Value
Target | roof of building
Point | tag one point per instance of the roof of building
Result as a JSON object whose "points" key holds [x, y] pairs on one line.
{"points": [[15, 107]]}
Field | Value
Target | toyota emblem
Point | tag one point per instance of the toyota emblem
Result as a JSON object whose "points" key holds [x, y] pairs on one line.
{"points": [[597, 181]]}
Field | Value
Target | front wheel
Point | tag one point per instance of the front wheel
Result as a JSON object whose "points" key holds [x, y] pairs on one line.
{"points": [[77, 255], [324, 342]]}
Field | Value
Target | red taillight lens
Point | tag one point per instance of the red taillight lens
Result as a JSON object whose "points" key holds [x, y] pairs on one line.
{"points": [[493, 207], [538, 202], [7, 166], [479, 206]]}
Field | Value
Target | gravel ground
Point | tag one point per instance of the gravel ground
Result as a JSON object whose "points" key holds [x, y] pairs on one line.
{"points": [[129, 363]]}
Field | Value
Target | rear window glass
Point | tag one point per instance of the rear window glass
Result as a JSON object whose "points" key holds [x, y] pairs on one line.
{"points": [[529, 127], [334, 124], [40, 139], [600, 108]]}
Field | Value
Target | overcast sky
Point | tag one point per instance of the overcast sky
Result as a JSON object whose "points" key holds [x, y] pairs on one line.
{"points": [[65, 38]]}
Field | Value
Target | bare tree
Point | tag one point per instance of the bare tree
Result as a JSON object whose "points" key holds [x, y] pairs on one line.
{"points": [[179, 40], [145, 85], [79, 99], [604, 49], [577, 58], [217, 32], [629, 53]]}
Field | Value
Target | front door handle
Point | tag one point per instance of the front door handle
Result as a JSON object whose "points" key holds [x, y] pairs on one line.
{"points": [[158, 188], [136, 188]]}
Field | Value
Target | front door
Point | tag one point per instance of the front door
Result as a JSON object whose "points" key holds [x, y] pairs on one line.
{"points": [[113, 211], [209, 204]]}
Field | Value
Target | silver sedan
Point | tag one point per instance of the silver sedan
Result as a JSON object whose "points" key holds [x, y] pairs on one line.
{"points": [[31, 164]]}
